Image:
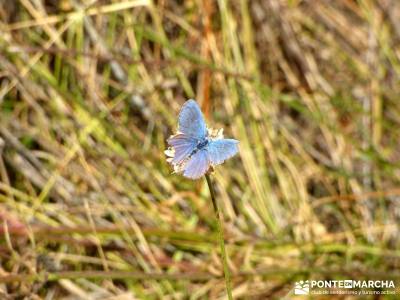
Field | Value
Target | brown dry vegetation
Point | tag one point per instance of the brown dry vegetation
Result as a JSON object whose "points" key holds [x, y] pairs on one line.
{"points": [[89, 92]]}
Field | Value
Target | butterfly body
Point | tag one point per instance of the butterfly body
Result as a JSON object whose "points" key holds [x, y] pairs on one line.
{"points": [[194, 149], [201, 145]]}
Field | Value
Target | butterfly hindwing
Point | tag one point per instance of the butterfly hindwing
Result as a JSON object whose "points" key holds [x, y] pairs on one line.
{"points": [[191, 121], [221, 150], [198, 165], [183, 146]]}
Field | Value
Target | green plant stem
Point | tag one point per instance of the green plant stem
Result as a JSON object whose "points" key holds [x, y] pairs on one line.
{"points": [[227, 273]]}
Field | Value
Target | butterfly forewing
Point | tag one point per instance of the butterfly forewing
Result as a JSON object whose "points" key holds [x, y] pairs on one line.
{"points": [[221, 150], [191, 121], [198, 165]]}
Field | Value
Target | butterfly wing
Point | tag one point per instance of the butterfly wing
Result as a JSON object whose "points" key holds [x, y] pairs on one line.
{"points": [[198, 165], [221, 150], [183, 145], [191, 121]]}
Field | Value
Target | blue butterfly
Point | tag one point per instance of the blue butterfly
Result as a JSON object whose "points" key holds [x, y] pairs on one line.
{"points": [[195, 148]]}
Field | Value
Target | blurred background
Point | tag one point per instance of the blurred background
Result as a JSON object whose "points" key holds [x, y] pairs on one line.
{"points": [[89, 92]]}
